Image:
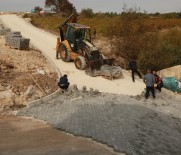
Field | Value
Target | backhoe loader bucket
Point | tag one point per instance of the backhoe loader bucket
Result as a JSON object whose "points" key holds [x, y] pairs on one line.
{"points": [[104, 68], [97, 64]]}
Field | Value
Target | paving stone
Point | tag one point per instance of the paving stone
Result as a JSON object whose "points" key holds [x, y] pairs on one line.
{"points": [[118, 121]]}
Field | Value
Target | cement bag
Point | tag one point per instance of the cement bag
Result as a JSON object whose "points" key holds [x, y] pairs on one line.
{"points": [[171, 83]]}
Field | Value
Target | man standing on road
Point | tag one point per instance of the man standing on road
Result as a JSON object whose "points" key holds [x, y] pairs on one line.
{"points": [[133, 68], [149, 80]]}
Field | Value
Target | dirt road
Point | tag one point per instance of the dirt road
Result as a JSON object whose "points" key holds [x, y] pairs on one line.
{"points": [[22, 136], [46, 42]]}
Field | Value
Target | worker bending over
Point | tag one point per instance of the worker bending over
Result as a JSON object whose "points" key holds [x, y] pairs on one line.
{"points": [[63, 82]]}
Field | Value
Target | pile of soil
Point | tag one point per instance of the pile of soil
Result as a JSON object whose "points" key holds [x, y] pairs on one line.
{"points": [[24, 76]]}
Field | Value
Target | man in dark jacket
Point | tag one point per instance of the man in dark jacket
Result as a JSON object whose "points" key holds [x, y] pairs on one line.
{"points": [[78, 37], [149, 80], [133, 68], [63, 82]]}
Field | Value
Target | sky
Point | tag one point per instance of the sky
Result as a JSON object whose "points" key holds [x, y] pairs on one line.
{"points": [[151, 6]]}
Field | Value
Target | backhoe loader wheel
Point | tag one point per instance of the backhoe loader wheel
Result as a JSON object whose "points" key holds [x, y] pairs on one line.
{"points": [[80, 63], [64, 53]]}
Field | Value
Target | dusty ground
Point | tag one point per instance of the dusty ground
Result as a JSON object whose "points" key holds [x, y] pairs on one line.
{"points": [[24, 76], [162, 106], [46, 42], [19, 135], [22, 136]]}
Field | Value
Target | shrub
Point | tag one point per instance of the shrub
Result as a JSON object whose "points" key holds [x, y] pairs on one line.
{"points": [[132, 34], [25, 15], [88, 13], [163, 51], [129, 31]]}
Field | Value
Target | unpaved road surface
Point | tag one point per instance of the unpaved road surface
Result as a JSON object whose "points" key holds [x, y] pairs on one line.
{"points": [[22, 136], [46, 42], [128, 124]]}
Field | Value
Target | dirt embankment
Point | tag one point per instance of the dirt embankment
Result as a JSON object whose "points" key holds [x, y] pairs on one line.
{"points": [[171, 72], [24, 76]]}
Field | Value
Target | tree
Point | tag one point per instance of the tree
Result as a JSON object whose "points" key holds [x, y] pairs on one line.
{"points": [[61, 6], [87, 13], [157, 14], [124, 7], [179, 14], [38, 9], [128, 35], [131, 33]]}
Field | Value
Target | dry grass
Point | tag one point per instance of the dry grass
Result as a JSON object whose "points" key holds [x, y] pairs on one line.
{"points": [[131, 34]]}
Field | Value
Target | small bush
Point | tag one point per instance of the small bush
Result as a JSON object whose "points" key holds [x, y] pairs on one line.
{"points": [[88, 13], [165, 51], [25, 15]]}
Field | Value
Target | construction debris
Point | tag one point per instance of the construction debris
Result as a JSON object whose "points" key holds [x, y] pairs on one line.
{"points": [[17, 87], [106, 71], [111, 71]]}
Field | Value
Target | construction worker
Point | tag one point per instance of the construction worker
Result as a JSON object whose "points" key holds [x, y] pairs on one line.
{"points": [[133, 68], [158, 80], [77, 35], [149, 80], [63, 82]]}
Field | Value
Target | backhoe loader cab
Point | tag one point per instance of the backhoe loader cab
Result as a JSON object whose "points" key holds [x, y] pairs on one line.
{"points": [[75, 33]]}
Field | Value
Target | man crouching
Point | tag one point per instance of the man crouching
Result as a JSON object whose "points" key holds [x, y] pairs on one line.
{"points": [[63, 82]]}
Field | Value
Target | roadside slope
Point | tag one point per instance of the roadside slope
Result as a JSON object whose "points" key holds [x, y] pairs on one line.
{"points": [[46, 42], [171, 72]]}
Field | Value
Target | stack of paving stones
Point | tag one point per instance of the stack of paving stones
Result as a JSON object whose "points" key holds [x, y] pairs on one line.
{"points": [[3, 30], [119, 121], [15, 40], [10, 37]]}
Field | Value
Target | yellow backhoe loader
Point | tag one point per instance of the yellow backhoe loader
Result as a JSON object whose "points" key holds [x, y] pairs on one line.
{"points": [[75, 44]]}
